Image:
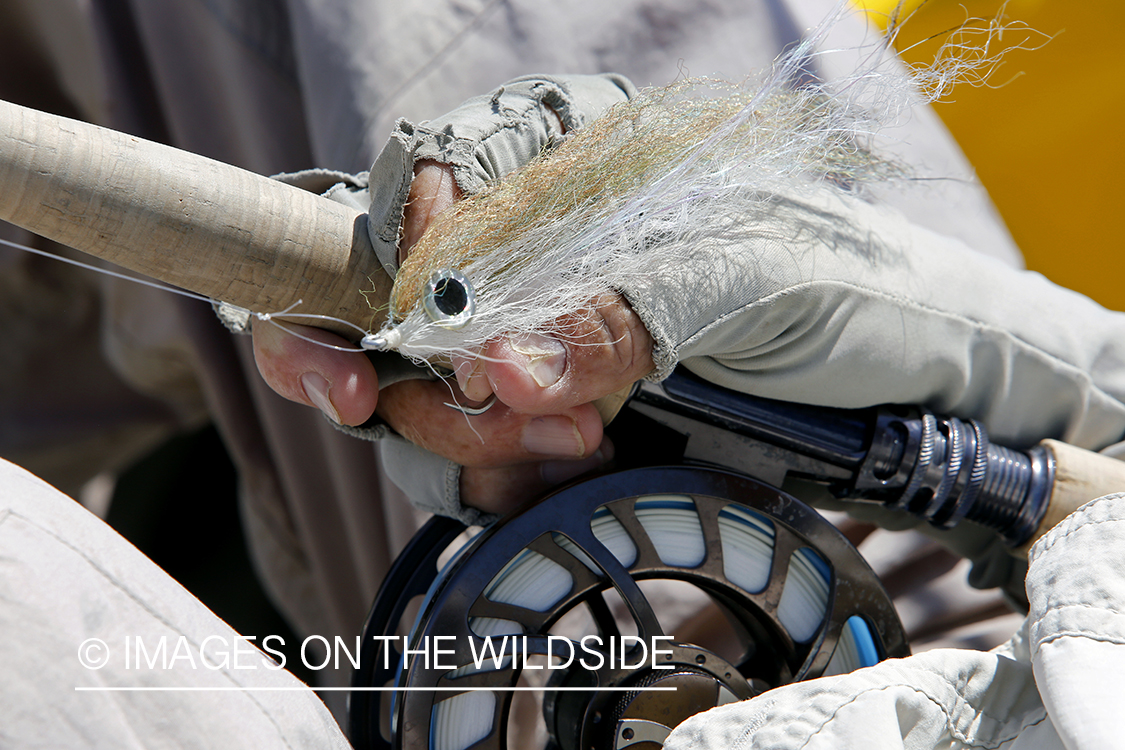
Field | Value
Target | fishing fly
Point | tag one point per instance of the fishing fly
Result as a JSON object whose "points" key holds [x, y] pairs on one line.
{"points": [[629, 193], [635, 190]]}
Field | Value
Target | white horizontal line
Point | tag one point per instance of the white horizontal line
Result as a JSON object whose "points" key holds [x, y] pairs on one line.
{"points": [[373, 689]]}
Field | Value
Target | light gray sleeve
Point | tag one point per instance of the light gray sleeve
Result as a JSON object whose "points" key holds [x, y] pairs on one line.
{"points": [[431, 482], [484, 139], [826, 299]]}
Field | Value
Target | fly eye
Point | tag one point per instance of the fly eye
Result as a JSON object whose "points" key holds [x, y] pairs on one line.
{"points": [[449, 299]]}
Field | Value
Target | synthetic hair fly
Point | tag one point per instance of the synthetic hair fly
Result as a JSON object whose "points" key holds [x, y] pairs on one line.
{"points": [[631, 191]]}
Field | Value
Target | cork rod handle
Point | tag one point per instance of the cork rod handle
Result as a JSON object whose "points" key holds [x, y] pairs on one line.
{"points": [[1080, 477], [187, 220]]}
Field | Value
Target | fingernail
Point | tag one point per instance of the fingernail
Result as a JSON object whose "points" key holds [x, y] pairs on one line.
{"points": [[546, 357], [471, 378], [463, 369], [553, 436], [316, 388], [557, 472]]}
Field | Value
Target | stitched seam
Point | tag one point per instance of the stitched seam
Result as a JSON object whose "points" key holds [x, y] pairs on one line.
{"points": [[1059, 533], [1079, 606], [953, 732], [1080, 634], [513, 118], [451, 503]]}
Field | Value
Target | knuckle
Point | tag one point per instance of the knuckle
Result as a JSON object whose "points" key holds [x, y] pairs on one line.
{"points": [[629, 348]]}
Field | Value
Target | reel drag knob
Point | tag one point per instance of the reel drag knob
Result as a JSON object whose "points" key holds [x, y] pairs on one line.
{"points": [[645, 719]]}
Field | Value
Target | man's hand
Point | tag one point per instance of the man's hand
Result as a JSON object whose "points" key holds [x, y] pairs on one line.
{"points": [[343, 385], [542, 431]]}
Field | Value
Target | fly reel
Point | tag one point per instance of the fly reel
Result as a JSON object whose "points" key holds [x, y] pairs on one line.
{"points": [[568, 598]]}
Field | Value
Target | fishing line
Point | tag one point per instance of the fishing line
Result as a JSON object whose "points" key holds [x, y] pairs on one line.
{"points": [[264, 317], [531, 582], [115, 274], [269, 318]]}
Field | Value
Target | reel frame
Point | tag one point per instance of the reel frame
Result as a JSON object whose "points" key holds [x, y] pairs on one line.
{"points": [[459, 593]]}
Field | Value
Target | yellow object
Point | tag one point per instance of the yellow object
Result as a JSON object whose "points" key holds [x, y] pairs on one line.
{"points": [[1048, 142]]}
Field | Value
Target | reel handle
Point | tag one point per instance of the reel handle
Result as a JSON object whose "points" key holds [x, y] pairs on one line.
{"points": [[1080, 476], [187, 220]]}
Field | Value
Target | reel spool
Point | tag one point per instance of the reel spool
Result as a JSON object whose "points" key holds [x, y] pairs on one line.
{"points": [[798, 599]]}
